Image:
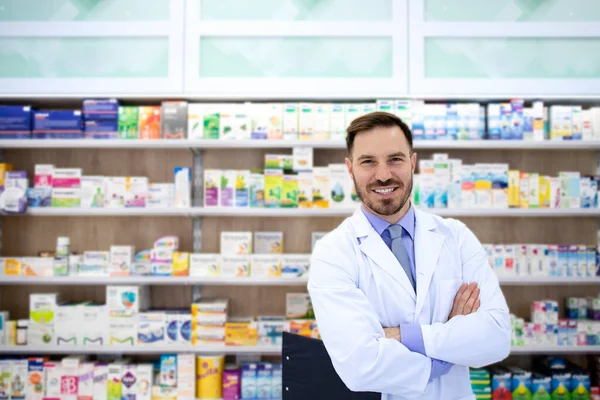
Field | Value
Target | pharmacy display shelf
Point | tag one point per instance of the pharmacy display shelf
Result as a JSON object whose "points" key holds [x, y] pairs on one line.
{"points": [[545, 350], [300, 212], [150, 280], [548, 280], [234, 350], [141, 350], [280, 144], [249, 281], [108, 212], [344, 212]]}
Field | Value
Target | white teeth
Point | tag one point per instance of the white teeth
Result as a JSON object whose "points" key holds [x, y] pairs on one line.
{"points": [[384, 191]]}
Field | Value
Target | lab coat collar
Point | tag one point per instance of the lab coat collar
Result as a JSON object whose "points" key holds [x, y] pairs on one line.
{"points": [[428, 245]]}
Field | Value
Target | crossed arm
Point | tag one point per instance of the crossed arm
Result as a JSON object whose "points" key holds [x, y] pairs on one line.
{"points": [[466, 302]]}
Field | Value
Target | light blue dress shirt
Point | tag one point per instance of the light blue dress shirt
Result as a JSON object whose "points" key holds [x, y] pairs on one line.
{"points": [[411, 334]]}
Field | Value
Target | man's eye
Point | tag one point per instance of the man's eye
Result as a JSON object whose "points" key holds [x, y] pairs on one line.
{"points": [[396, 159], [367, 162]]}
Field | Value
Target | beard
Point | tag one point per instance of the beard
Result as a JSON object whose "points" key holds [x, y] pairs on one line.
{"points": [[385, 206]]}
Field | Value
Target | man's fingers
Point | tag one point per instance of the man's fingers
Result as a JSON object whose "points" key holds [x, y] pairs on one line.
{"points": [[469, 305], [462, 300], [477, 305], [460, 292]]}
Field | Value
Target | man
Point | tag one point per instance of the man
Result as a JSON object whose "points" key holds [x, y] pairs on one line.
{"points": [[389, 285]]}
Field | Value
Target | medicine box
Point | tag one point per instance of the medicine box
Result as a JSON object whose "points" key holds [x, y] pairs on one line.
{"points": [[298, 306], [125, 302], [100, 109], [265, 265], [93, 325], [236, 243], [294, 265], [93, 191], [121, 260], [57, 124], [151, 328], [268, 242], [101, 129], [129, 122], [160, 195], [149, 122], [174, 120], [136, 190], [15, 122], [204, 264], [235, 266]]}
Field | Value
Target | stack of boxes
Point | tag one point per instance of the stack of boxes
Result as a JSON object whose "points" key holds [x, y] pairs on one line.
{"points": [[124, 304], [236, 248], [101, 118], [66, 187], [166, 260], [208, 321]]}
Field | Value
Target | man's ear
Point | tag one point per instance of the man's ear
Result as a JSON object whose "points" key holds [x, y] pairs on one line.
{"points": [[348, 162]]}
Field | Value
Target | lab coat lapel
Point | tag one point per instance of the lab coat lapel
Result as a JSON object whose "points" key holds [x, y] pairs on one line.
{"points": [[375, 249], [428, 245]]}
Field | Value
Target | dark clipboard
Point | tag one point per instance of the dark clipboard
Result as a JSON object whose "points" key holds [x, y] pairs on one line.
{"points": [[308, 373]]}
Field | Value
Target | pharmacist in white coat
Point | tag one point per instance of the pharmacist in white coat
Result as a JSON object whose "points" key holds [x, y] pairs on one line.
{"points": [[405, 301]]}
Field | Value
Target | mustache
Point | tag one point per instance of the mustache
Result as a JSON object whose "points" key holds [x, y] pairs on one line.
{"points": [[389, 182]]}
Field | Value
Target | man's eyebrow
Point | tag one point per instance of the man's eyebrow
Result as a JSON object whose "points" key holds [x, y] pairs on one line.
{"points": [[396, 154]]}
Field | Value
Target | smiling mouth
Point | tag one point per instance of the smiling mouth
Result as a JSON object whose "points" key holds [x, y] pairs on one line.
{"points": [[384, 190]]}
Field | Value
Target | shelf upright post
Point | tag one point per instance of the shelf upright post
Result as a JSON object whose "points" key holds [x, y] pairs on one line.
{"points": [[1, 160], [197, 201]]}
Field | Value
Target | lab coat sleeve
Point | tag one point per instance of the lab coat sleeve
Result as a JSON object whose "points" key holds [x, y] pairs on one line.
{"points": [[362, 356], [480, 338]]}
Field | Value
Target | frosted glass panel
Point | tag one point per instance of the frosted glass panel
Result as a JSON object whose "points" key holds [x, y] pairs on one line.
{"points": [[115, 57], [290, 10], [512, 58], [296, 57], [84, 10], [512, 10]]}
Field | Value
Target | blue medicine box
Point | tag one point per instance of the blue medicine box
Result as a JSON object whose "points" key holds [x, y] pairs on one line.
{"points": [[100, 109], [57, 124], [15, 122], [101, 129]]}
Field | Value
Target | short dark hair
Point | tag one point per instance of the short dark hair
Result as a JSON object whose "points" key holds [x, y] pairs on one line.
{"points": [[378, 119]]}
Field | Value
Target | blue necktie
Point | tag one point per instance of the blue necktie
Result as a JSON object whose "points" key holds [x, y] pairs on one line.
{"points": [[400, 251]]}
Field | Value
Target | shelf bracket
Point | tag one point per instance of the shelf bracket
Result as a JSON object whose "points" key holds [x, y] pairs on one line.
{"points": [[197, 184]]}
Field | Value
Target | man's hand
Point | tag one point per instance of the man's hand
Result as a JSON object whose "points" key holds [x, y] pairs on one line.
{"points": [[466, 300], [392, 333]]}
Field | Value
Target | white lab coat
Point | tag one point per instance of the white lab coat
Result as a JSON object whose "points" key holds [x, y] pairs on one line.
{"points": [[357, 287]]}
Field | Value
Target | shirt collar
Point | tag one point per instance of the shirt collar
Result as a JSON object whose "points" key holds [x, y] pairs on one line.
{"points": [[380, 225]]}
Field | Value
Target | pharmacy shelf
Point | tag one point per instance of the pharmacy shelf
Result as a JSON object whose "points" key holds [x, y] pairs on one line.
{"points": [[150, 280], [546, 280], [141, 350], [344, 212], [108, 212], [299, 212], [281, 144], [250, 281], [233, 350], [555, 350]]}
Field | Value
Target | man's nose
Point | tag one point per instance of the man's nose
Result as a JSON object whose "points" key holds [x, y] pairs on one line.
{"points": [[383, 173]]}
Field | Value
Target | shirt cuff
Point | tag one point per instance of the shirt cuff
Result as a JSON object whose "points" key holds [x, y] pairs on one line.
{"points": [[411, 336], [438, 368]]}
